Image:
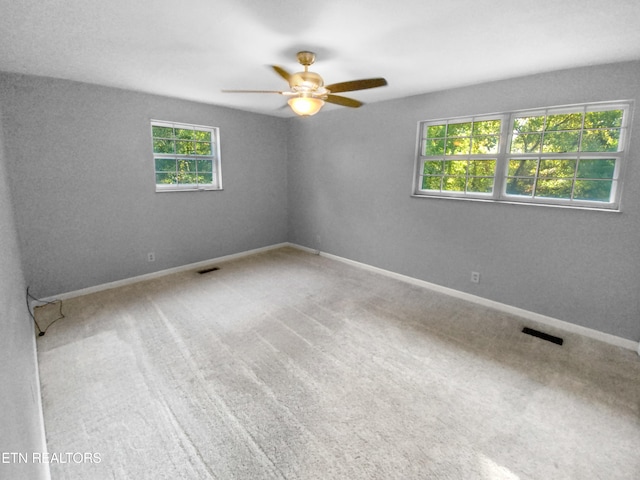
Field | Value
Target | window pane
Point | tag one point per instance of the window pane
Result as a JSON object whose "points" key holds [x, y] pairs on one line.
{"points": [[459, 129], [163, 146], [458, 146], [187, 178], [162, 132], [600, 140], [185, 134], [526, 143], [431, 183], [564, 121], [596, 168], [595, 190], [206, 178], [186, 165], [165, 165], [608, 119], [483, 168], [202, 136], [205, 166], [557, 168], [203, 148], [523, 168], [453, 184], [528, 124], [554, 188], [520, 186], [185, 148], [480, 185], [456, 167], [436, 131], [166, 178], [486, 127], [433, 167], [484, 144], [557, 142], [434, 147]]}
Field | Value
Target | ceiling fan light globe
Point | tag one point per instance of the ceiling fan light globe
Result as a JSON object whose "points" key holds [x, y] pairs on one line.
{"points": [[305, 106]]}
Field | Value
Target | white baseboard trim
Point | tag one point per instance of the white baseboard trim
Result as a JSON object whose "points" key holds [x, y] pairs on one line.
{"points": [[160, 273], [536, 317]]}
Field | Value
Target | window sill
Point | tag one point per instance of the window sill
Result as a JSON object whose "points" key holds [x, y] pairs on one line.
{"points": [[209, 189], [530, 204]]}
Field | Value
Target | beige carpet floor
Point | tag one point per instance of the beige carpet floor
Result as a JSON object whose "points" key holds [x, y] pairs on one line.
{"points": [[287, 365]]}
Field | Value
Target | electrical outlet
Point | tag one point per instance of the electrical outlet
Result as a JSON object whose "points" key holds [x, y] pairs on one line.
{"points": [[475, 277], [151, 257]]}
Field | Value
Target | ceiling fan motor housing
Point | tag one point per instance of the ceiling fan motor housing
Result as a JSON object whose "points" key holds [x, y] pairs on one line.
{"points": [[305, 81]]}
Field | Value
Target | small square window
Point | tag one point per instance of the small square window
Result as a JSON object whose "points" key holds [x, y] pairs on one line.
{"points": [[186, 157]]}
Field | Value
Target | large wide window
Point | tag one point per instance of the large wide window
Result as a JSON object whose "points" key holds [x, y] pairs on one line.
{"points": [[571, 156], [186, 157]]}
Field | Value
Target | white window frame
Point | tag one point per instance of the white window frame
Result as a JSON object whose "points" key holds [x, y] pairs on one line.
{"points": [[216, 183], [503, 156], [421, 159]]}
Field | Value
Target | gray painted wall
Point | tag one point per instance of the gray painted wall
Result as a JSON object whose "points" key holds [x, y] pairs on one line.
{"points": [[21, 420], [81, 175], [350, 179]]}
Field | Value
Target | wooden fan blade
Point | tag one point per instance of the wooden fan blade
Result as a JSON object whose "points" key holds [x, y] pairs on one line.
{"points": [[282, 72], [252, 91], [344, 101], [356, 85]]}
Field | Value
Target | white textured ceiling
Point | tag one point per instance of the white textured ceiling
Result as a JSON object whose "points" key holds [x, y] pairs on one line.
{"points": [[193, 49]]}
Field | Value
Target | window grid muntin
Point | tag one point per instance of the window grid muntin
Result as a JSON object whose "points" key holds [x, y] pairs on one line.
{"points": [[502, 158], [213, 157]]}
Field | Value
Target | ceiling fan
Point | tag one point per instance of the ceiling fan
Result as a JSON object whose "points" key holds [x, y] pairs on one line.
{"points": [[308, 93]]}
